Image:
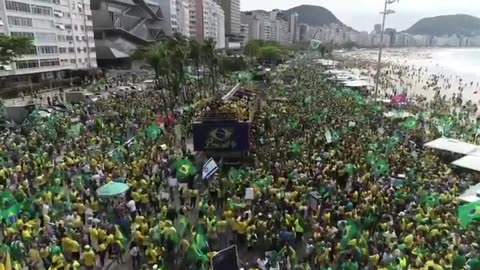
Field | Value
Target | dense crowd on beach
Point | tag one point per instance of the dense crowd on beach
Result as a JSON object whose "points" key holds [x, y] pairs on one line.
{"points": [[333, 184]]}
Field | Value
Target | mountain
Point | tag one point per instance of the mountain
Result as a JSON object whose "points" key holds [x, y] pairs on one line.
{"points": [[314, 15], [447, 25]]}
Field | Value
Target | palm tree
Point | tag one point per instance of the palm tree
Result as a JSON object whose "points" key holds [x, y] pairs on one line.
{"points": [[177, 58], [156, 56], [194, 54], [211, 61]]}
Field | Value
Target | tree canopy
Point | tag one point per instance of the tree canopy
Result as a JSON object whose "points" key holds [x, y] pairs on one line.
{"points": [[13, 47]]}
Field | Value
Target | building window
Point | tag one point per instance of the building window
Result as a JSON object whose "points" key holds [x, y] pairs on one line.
{"points": [[17, 6], [69, 38], [91, 39], [84, 49], [26, 64], [89, 18], [20, 21], [79, 50], [45, 37], [49, 62], [47, 49], [42, 23], [82, 28], [68, 26], [75, 27], [58, 13], [45, 1], [72, 61], [77, 38], [71, 50], [62, 50], [89, 28], [92, 49], [57, 2], [84, 38], [41, 10], [61, 38], [22, 34]]}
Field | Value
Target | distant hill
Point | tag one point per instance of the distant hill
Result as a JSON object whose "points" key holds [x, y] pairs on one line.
{"points": [[314, 15], [447, 25]]}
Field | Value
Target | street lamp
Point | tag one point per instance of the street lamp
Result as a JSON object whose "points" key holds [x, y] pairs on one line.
{"points": [[384, 13]]}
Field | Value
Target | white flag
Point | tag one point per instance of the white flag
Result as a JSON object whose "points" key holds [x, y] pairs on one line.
{"points": [[209, 168]]}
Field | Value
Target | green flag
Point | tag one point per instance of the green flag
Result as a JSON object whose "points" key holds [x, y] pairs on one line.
{"points": [[296, 148], [75, 130], [153, 131], [469, 212], [350, 233], [431, 199], [380, 167], [410, 123], [185, 168]]}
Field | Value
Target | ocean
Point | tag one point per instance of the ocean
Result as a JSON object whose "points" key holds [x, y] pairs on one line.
{"points": [[461, 61]]}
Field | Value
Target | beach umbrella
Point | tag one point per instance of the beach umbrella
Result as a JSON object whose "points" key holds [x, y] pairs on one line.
{"points": [[112, 189]]}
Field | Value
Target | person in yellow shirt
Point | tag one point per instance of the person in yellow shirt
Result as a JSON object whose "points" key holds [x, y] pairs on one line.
{"points": [[89, 258], [45, 254], [93, 237], [75, 249], [102, 251], [34, 258]]}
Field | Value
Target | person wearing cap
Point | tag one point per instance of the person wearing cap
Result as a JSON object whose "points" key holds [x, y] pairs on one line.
{"points": [[89, 258]]}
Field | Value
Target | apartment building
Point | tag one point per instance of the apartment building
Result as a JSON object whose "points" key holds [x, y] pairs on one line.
{"points": [[62, 34]]}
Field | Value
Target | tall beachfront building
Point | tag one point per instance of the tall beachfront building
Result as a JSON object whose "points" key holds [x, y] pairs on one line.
{"points": [[176, 17], [62, 33], [207, 21], [232, 16]]}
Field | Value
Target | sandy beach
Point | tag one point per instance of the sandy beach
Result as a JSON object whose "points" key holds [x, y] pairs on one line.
{"points": [[423, 72]]}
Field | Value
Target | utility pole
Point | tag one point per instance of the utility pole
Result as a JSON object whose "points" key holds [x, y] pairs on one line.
{"points": [[379, 63]]}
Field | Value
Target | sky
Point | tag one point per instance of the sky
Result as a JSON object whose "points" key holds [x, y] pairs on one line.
{"points": [[363, 14]]}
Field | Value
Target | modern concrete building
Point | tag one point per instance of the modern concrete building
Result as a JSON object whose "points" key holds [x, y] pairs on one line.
{"points": [[244, 34], [294, 27], [377, 28], [62, 33], [231, 8], [122, 26]]}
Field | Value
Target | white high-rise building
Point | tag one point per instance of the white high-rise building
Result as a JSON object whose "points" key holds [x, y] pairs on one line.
{"points": [[62, 33], [214, 23], [176, 17]]}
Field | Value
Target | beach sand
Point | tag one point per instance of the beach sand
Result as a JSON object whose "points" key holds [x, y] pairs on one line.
{"points": [[418, 72]]}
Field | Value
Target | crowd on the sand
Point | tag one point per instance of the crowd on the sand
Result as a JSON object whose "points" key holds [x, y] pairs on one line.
{"points": [[332, 185]]}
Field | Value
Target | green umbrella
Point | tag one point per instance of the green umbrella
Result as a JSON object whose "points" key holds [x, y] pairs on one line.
{"points": [[112, 189]]}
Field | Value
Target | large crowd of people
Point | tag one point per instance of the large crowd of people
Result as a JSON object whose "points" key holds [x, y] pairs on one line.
{"points": [[333, 184]]}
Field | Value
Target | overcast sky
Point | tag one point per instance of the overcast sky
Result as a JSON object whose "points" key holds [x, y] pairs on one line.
{"points": [[363, 14]]}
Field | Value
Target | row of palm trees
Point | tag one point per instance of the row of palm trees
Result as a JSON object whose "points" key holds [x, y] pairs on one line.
{"points": [[172, 58]]}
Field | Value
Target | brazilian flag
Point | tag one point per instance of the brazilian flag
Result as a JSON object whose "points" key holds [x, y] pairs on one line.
{"points": [[468, 213], [380, 167], [350, 233], [185, 168], [410, 123], [431, 200]]}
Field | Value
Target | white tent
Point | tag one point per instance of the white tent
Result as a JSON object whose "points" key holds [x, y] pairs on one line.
{"points": [[469, 162], [397, 114], [453, 145], [356, 83], [471, 194]]}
